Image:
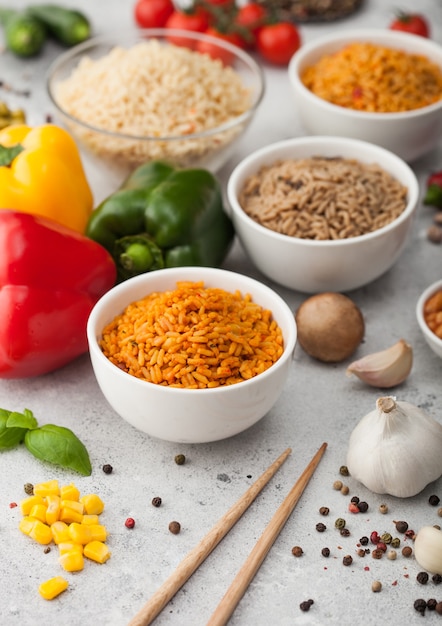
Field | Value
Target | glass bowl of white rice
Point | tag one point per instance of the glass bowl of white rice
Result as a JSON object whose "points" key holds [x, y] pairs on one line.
{"points": [[156, 94]]}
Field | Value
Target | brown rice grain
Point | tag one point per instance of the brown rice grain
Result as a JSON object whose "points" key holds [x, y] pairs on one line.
{"points": [[323, 198]]}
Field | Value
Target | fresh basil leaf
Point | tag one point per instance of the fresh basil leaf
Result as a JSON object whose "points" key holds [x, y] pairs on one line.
{"points": [[22, 420], [60, 446], [10, 436], [7, 155]]}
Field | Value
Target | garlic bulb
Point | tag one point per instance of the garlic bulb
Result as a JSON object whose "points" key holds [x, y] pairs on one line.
{"points": [[384, 369], [428, 549], [396, 449]]}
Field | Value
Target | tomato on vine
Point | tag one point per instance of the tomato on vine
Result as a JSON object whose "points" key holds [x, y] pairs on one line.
{"points": [[152, 13], [413, 23], [249, 20], [217, 52], [278, 42]]}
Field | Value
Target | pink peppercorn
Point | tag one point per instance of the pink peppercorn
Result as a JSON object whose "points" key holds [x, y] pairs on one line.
{"points": [[130, 522], [374, 537]]}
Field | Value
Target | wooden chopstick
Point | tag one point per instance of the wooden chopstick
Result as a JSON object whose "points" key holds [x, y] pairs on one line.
{"points": [[232, 597], [197, 555]]}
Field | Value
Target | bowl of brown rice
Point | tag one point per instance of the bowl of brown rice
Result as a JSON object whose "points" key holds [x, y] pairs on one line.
{"points": [[323, 213], [143, 95], [381, 86], [191, 354]]}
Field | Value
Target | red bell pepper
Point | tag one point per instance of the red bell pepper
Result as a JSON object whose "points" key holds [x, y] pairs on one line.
{"points": [[50, 278]]}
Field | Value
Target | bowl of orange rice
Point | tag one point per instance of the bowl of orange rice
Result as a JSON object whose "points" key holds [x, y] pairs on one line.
{"points": [[380, 86], [191, 354]]}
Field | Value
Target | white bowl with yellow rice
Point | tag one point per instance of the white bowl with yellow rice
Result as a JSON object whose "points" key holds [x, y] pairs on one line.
{"points": [[380, 86], [203, 354]]}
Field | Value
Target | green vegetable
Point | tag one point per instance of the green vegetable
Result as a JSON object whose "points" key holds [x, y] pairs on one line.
{"points": [[163, 217], [54, 444], [25, 36], [67, 26], [58, 445]]}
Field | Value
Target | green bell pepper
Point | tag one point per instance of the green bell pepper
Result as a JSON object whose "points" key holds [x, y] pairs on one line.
{"points": [[163, 217]]}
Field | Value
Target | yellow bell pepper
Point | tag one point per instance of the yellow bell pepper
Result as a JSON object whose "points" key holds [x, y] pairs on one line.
{"points": [[47, 177]]}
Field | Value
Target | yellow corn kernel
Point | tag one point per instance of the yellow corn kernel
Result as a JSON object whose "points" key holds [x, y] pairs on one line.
{"points": [[49, 488], [69, 515], [39, 512], [70, 492], [90, 519], [97, 551], [72, 561], [93, 504], [26, 524], [60, 532], [41, 532], [27, 504], [72, 504], [69, 546], [53, 509], [52, 588], [80, 533], [98, 531]]}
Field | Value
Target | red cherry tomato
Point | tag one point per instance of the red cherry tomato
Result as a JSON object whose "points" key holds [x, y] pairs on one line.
{"points": [[278, 42], [249, 19], [196, 21], [220, 3], [152, 13], [411, 23], [217, 52]]}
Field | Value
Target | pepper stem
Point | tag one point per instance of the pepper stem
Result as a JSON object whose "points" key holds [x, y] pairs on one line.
{"points": [[137, 254]]}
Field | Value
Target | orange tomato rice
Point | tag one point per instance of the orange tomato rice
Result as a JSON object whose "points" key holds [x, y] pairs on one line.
{"points": [[373, 78], [194, 337]]}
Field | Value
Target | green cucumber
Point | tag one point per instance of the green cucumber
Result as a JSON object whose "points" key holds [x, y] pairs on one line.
{"points": [[67, 26], [25, 36]]}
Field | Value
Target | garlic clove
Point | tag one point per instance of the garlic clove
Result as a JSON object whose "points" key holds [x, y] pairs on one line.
{"points": [[384, 369], [428, 549]]}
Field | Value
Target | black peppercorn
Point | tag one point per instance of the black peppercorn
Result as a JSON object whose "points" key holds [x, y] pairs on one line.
{"points": [[107, 469], [438, 608], [422, 578], [324, 510], [180, 459], [364, 541], [47, 549], [355, 500], [401, 526], [325, 552], [156, 501], [420, 605], [305, 606], [175, 527], [347, 560], [344, 532], [297, 551], [431, 604], [437, 579], [434, 500], [321, 527], [363, 507]]}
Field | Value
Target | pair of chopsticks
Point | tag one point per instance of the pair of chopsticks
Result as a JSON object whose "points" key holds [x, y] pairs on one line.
{"points": [[195, 557]]}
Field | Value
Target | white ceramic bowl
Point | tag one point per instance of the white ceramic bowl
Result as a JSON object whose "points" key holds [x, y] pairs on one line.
{"points": [[431, 338], [121, 152], [189, 415], [409, 134], [333, 265]]}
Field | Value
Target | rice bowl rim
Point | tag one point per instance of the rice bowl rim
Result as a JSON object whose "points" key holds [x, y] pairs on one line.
{"points": [[138, 36], [373, 36], [272, 152], [284, 311]]}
